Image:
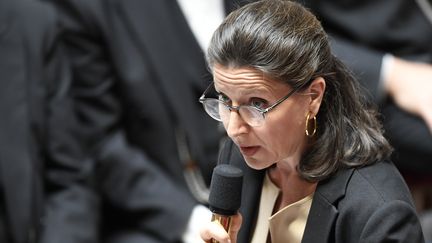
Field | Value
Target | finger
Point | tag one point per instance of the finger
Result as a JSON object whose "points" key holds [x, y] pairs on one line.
{"points": [[213, 230], [235, 227]]}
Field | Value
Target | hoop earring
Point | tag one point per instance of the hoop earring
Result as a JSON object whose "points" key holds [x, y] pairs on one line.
{"points": [[309, 134]]}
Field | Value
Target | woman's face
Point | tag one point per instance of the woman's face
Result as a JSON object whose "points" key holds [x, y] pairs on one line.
{"points": [[282, 136]]}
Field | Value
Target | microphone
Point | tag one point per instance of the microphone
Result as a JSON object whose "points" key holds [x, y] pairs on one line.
{"points": [[225, 194]]}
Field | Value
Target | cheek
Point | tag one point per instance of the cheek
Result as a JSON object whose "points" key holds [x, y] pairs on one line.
{"points": [[285, 137], [225, 124]]}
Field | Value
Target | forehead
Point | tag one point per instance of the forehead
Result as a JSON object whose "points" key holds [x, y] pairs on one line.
{"points": [[243, 78]]}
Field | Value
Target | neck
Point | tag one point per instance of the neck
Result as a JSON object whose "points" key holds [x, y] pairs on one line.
{"points": [[293, 188]]}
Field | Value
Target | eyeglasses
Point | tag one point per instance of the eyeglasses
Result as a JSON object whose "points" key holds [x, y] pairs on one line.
{"points": [[253, 116]]}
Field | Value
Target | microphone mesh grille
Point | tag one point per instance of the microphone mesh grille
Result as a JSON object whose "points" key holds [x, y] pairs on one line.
{"points": [[225, 189]]}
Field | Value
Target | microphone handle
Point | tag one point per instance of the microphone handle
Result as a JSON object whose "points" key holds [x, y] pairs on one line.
{"points": [[223, 220]]}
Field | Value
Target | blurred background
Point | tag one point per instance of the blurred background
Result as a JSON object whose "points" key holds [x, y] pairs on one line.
{"points": [[102, 137]]}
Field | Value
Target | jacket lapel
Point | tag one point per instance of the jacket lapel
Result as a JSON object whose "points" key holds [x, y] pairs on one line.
{"points": [[323, 212], [177, 60], [320, 222]]}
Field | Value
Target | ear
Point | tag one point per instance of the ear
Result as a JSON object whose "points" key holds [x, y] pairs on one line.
{"points": [[316, 90]]}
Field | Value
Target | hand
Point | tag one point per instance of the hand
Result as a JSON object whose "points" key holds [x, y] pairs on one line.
{"points": [[213, 230], [410, 86]]}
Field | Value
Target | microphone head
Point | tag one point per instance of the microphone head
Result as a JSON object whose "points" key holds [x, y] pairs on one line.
{"points": [[225, 190]]}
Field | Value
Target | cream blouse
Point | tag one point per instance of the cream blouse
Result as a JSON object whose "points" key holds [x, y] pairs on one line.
{"points": [[285, 226]]}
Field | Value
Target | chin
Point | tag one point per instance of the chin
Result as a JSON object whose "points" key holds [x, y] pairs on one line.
{"points": [[257, 164]]}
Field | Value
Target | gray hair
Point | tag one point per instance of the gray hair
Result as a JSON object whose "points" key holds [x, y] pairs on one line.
{"points": [[284, 40]]}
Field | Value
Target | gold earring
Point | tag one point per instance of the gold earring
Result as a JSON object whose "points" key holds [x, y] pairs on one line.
{"points": [[309, 134]]}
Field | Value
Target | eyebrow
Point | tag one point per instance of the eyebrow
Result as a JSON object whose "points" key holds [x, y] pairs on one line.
{"points": [[247, 95]]}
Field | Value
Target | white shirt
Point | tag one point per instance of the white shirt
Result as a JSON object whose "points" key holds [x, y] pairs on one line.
{"points": [[203, 17]]}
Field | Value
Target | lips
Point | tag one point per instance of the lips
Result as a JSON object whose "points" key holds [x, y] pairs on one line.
{"points": [[249, 150]]}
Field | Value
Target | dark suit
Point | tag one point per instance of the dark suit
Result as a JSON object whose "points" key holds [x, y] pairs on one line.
{"points": [[41, 163], [362, 32], [139, 74], [369, 204]]}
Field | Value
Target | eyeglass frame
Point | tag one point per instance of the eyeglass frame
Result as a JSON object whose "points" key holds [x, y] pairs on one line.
{"points": [[202, 99]]}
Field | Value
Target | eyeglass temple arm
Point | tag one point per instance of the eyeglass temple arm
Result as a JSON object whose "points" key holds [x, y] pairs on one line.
{"points": [[202, 97]]}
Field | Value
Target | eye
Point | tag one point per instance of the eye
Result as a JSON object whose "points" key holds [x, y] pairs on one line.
{"points": [[222, 97], [259, 103]]}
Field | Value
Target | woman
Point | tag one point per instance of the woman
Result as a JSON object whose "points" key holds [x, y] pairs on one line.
{"points": [[317, 162]]}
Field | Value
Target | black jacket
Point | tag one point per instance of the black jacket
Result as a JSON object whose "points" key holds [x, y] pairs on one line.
{"points": [[361, 33], [369, 204], [43, 169], [138, 75]]}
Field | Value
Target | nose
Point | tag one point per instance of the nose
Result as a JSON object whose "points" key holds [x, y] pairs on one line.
{"points": [[235, 125]]}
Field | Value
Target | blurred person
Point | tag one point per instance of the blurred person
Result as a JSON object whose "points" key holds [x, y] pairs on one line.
{"points": [[387, 45], [44, 192], [316, 164], [138, 70]]}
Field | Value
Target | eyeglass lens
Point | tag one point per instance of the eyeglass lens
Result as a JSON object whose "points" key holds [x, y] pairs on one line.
{"points": [[221, 112]]}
